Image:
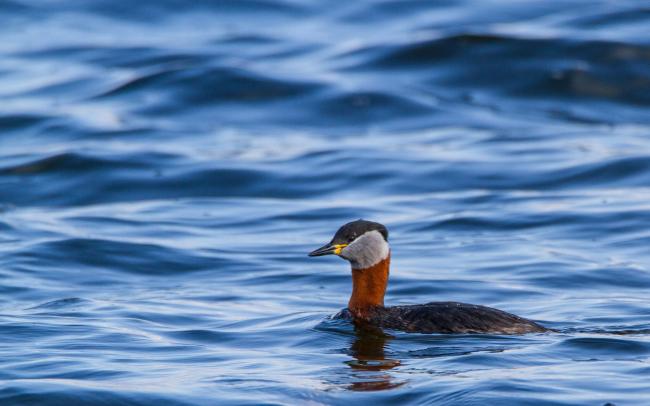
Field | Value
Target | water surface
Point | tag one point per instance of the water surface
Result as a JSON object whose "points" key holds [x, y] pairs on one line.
{"points": [[166, 166]]}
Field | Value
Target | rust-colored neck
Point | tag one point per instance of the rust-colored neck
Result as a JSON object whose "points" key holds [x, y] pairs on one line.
{"points": [[368, 288]]}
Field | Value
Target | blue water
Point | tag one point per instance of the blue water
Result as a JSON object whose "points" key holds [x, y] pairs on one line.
{"points": [[165, 166]]}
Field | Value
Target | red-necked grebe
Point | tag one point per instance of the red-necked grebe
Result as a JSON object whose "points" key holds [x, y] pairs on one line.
{"points": [[365, 245]]}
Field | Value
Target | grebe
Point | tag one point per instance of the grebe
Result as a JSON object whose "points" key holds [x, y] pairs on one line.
{"points": [[365, 245]]}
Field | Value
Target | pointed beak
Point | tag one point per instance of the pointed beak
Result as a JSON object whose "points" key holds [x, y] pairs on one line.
{"points": [[328, 249]]}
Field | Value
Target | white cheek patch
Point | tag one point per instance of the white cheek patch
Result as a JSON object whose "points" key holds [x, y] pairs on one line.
{"points": [[367, 250]]}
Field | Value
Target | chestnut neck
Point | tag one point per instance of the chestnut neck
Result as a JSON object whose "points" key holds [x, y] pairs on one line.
{"points": [[368, 288]]}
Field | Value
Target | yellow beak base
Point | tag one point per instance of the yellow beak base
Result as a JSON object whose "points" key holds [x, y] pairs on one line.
{"points": [[338, 248]]}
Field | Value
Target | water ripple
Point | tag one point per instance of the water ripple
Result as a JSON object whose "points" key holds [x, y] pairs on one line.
{"points": [[166, 166]]}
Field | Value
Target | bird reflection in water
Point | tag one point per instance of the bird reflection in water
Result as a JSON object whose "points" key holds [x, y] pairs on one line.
{"points": [[370, 364]]}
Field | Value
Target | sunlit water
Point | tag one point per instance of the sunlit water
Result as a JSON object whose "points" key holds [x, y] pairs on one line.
{"points": [[165, 166]]}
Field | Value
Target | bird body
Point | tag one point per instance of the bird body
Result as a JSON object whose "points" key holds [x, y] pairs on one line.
{"points": [[443, 317], [365, 245]]}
